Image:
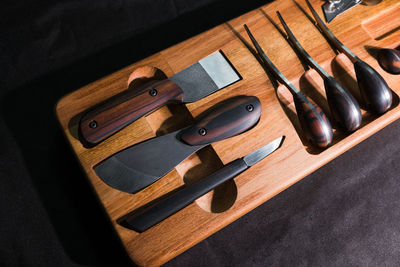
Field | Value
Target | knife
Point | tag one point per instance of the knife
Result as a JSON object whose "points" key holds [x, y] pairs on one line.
{"points": [[334, 8], [140, 165], [189, 85], [182, 198]]}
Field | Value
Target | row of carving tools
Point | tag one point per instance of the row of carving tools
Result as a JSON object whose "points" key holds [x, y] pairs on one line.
{"points": [[345, 110]]}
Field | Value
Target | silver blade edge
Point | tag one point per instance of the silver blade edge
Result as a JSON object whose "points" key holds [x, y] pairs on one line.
{"points": [[205, 77], [263, 152]]}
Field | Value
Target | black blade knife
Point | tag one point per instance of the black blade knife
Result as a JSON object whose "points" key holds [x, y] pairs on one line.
{"points": [[140, 165], [184, 197]]}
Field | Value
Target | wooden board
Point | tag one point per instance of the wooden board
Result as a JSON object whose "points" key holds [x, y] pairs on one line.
{"points": [[357, 28]]}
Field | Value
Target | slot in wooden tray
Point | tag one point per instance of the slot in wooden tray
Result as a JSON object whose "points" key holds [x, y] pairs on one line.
{"points": [[293, 161]]}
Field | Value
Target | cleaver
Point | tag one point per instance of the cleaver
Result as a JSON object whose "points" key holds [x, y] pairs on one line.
{"points": [[197, 81], [140, 165]]}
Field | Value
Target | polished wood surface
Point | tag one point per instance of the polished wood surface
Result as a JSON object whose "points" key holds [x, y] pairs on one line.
{"points": [[292, 162]]}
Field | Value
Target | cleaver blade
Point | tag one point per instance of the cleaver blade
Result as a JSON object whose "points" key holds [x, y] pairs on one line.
{"points": [[140, 165]]}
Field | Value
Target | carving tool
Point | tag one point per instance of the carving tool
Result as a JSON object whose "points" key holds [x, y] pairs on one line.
{"points": [[344, 108], [333, 8], [189, 85], [182, 198], [140, 165], [373, 88], [389, 60], [313, 120]]}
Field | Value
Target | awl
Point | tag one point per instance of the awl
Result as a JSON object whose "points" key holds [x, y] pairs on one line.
{"points": [[182, 198], [140, 165], [189, 85]]}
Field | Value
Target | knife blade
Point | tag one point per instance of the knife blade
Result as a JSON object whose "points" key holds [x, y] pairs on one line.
{"points": [[334, 8], [197, 81], [182, 198], [140, 165]]}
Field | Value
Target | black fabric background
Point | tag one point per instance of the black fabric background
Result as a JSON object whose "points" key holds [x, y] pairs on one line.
{"points": [[346, 213]]}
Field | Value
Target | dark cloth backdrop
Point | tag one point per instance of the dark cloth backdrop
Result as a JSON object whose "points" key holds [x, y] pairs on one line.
{"points": [[346, 213]]}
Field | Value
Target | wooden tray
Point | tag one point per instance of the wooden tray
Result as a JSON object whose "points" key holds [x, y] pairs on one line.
{"points": [[358, 28]]}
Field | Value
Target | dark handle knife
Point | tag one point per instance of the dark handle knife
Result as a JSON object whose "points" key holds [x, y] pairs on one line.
{"points": [[184, 197], [195, 82], [140, 165], [115, 113]]}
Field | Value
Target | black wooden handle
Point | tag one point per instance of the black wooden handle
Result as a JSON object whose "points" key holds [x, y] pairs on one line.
{"points": [[389, 60], [313, 121], [112, 115], [226, 119], [344, 107], [183, 198], [373, 88]]}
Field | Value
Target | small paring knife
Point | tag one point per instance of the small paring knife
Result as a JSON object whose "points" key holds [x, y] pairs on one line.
{"points": [[182, 198], [140, 165], [197, 81]]}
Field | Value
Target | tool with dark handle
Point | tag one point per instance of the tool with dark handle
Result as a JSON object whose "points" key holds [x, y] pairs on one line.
{"points": [[126, 107], [373, 88], [177, 201], [343, 105], [313, 120], [189, 85], [389, 60], [140, 165]]}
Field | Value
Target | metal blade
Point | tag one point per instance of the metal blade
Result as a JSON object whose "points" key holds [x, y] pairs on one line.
{"points": [[205, 77], [333, 9], [330, 36], [142, 164], [263, 152], [301, 49], [268, 63]]}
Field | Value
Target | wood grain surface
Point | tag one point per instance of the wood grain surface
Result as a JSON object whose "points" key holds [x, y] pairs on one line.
{"points": [[357, 29]]}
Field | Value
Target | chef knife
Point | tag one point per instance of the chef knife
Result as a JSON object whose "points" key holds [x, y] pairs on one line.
{"points": [[189, 85], [182, 198], [140, 165]]}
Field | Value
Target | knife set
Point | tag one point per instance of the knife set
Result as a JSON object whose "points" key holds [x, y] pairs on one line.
{"points": [[140, 165]]}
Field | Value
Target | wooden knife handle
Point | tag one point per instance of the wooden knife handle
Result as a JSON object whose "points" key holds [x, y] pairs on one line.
{"points": [[313, 121], [344, 107], [373, 88], [110, 116], [177, 201], [226, 119]]}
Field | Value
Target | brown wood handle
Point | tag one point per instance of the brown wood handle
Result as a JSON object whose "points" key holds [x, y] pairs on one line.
{"points": [[373, 88], [313, 121], [110, 116], [344, 107], [226, 119]]}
